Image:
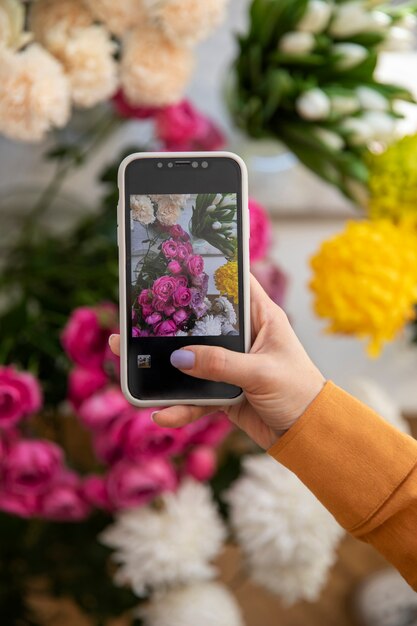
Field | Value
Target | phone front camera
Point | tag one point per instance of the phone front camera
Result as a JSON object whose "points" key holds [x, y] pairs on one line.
{"points": [[204, 164], [194, 164], [170, 164], [159, 164]]}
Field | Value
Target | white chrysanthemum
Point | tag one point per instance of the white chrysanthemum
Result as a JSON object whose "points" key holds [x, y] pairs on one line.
{"points": [[154, 71], [370, 393], [56, 19], [12, 22], [88, 59], [142, 209], [34, 93], [202, 604], [119, 17], [208, 326], [288, 538], [187, 21], [169, 207], [169, 546], [225, 307]]}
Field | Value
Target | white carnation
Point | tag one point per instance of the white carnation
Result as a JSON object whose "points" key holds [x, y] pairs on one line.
{"points": [[12, 22], [169, 546], [225, 307], [169, 207], [142, 209], [202, 604], [208, 326], [288, 538]]}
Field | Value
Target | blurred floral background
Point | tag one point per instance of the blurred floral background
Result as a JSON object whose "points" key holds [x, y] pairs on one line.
{"points": [[105, 517]]}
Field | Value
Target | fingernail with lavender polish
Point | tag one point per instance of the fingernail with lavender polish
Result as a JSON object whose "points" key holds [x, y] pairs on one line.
{"points": [[183, 359], [153, 415]]}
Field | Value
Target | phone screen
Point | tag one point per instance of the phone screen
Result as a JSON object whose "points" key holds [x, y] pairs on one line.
{"points": [[184, 274]]}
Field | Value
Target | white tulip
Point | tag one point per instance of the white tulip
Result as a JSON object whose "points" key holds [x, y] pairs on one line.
{"points": [[217, 198], [381, 125], [357, 130], [216, 225], [211, 208], [377, 21], [351, 18], [297, 43], [351, 54], [313, 104], [316, 17], [371, 99], [408, 22], [330, 139], [344, 105], [398, 39]]}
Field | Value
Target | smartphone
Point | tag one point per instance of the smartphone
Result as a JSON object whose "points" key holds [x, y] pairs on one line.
{"points": [[183, 234]]}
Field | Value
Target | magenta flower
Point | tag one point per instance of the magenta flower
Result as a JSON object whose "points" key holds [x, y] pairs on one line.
{"points": [[169, 248], [136, 332], [164, 287], [101, 409], [180, 316], [177, 232], [195, 265], [145, 297], [95, 492], [109, 442], [144, 439], [130, 111], [169, 310], [83, 383], [183, 252], [181, 127], [181, 297], [31, 466], [159, 304], [182, 281], [260, 231], [201, 281], [197, 303], [20, 395], [147, 309], [135, 484], [153, 319], [174, 267], [168, 328], [86, 334], [209, 430], [21, 504], [201, 463], [272, 279], [65, 501]]}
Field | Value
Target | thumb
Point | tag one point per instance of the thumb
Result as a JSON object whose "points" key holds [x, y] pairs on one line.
{"points": [[217, 364]]}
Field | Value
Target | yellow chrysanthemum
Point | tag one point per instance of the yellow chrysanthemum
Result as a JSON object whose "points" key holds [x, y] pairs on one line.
{"points": [[226, 279], [365, 280], [393, 181]]}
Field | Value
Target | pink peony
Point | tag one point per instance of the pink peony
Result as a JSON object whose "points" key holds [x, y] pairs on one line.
{"points": [[102, 408], [272, 279], [201, 463], [31, 466], [174, 267], [168, 328], [145, 297], [260, 231], [169, 310], [210, 430], [180, 316], [183, 252], [20, 395], [182, 281], [109, 442], [20, 504], [65, 501], [195, 265], [182, 296], [182, 127], [153, 319], [145, 439], [95, 492], [129, 111], [135, 484], [147, 309], [86, 334], [177, 232], [136, 332], [169, 248], [164, 287], [83, 383]]}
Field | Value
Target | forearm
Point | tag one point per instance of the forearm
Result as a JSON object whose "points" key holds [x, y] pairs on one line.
{"points": [[363, 471]]}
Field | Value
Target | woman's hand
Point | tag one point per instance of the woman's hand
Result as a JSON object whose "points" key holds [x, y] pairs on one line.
{"points": [[278, 378]]}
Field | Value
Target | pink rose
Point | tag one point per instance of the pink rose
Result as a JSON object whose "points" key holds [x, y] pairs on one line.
{"points": [[147, 309], [31, 466], [164, 287], [145, 439], [168, 328], [195, 265], [83, 383], [136, 332], [135, 484], [153, 319], [180, 316], [260, 231], [20, 395], [86, 334], [145, 297], [182, 281], [183, 252], [65, 501], [109, 442], [201, 463], [272, 279], [159, 304], [95, 492], [130, 111], [169, 310], [21, 504], [102, 408], [182, 127], [210, 430], [182, 296], [174, 267], [177, 232], [169, 248]]}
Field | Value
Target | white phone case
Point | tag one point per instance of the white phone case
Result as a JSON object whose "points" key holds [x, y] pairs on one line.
{"points": [[123, 304]]}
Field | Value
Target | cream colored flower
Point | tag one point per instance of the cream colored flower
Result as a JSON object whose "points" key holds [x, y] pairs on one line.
{"points": [[142, 209], [52, 20], [187, 21], [34, 93], [154, 71], [169, 207], [12, 22], [119, 17]]}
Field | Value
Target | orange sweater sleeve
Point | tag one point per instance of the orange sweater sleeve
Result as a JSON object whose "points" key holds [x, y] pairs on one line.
{"points": [[362, 469]]}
